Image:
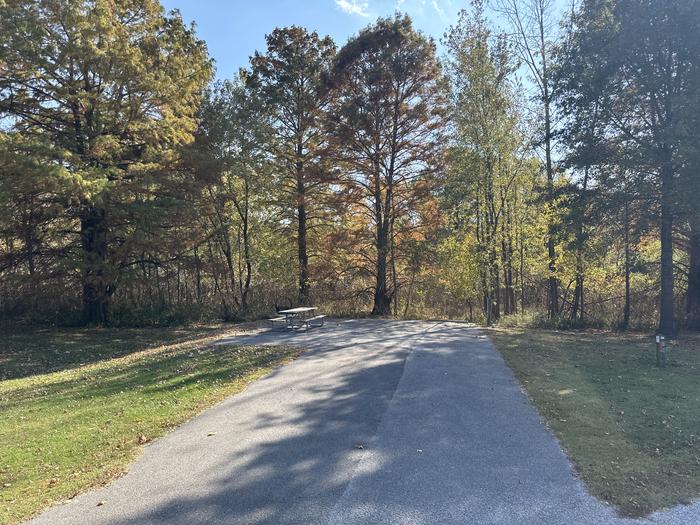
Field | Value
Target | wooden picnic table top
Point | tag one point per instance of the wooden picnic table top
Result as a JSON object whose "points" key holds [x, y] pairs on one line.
{"points": [[299, 310]]}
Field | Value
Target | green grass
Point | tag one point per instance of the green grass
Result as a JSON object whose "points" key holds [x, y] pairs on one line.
{"points": [[26, 351], [631, 429], [65, 431]]}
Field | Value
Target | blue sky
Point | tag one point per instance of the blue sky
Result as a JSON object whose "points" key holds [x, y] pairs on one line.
{"points": [[234, 29]]}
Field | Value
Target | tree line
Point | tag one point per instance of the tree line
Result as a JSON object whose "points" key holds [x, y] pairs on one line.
{"points": [[543, 172]]}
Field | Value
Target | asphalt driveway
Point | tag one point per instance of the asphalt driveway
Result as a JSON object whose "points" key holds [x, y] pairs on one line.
{"points": [[378, 422]]}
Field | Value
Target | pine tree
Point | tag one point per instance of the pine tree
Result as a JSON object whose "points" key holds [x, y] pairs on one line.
{"points": [[113, 87]]}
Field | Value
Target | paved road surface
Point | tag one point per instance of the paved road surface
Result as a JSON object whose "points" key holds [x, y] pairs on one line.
{"points": [[379, 422]]}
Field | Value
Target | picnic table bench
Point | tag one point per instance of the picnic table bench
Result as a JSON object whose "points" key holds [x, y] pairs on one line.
{"points": [[298, 317], [278, 321]]}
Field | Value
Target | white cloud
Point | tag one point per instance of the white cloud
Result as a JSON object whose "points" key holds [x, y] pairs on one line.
{"points": [[439, 10], [354, 7]]}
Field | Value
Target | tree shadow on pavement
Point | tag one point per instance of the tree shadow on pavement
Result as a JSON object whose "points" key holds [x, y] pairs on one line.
{"points": [[301, 473]]}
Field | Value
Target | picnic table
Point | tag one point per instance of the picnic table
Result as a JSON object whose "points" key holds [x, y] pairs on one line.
{"points": [[298, 317]]}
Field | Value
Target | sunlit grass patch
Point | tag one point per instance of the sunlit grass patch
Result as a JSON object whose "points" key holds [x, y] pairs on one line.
{"points": [[65, 431]]}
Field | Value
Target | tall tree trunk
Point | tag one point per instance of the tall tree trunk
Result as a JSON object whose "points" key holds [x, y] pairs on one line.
{"points": [[511, 277], [578, 289], [96, 289], [553, 302], [667, 325], [578, 306], [248, 263], [504, 261], [628, 306], [391, 208], [487, 299], [394, 277], [496, 285], [409, 294], [506, 281], [245, 268], [227, 250], [522, 269], [31, 245], [382, 298], [693, 293], [577, 311], [507, 259], [301, 237], [198, 275], [553, 282]]}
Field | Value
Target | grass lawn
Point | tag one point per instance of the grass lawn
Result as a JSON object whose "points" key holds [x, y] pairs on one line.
{"points": [[28, 350], [631, 429], [80, 426]]}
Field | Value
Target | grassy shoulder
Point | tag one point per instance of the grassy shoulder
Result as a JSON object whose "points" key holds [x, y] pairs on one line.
{"points": [[63, 432], [631, 429]]}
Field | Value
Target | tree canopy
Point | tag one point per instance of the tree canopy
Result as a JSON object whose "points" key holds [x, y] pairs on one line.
{"points": [[544, 171], [110, 90]]}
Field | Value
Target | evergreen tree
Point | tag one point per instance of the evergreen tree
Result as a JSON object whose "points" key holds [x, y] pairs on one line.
{"points": [[633, 61], [113, 89]]}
